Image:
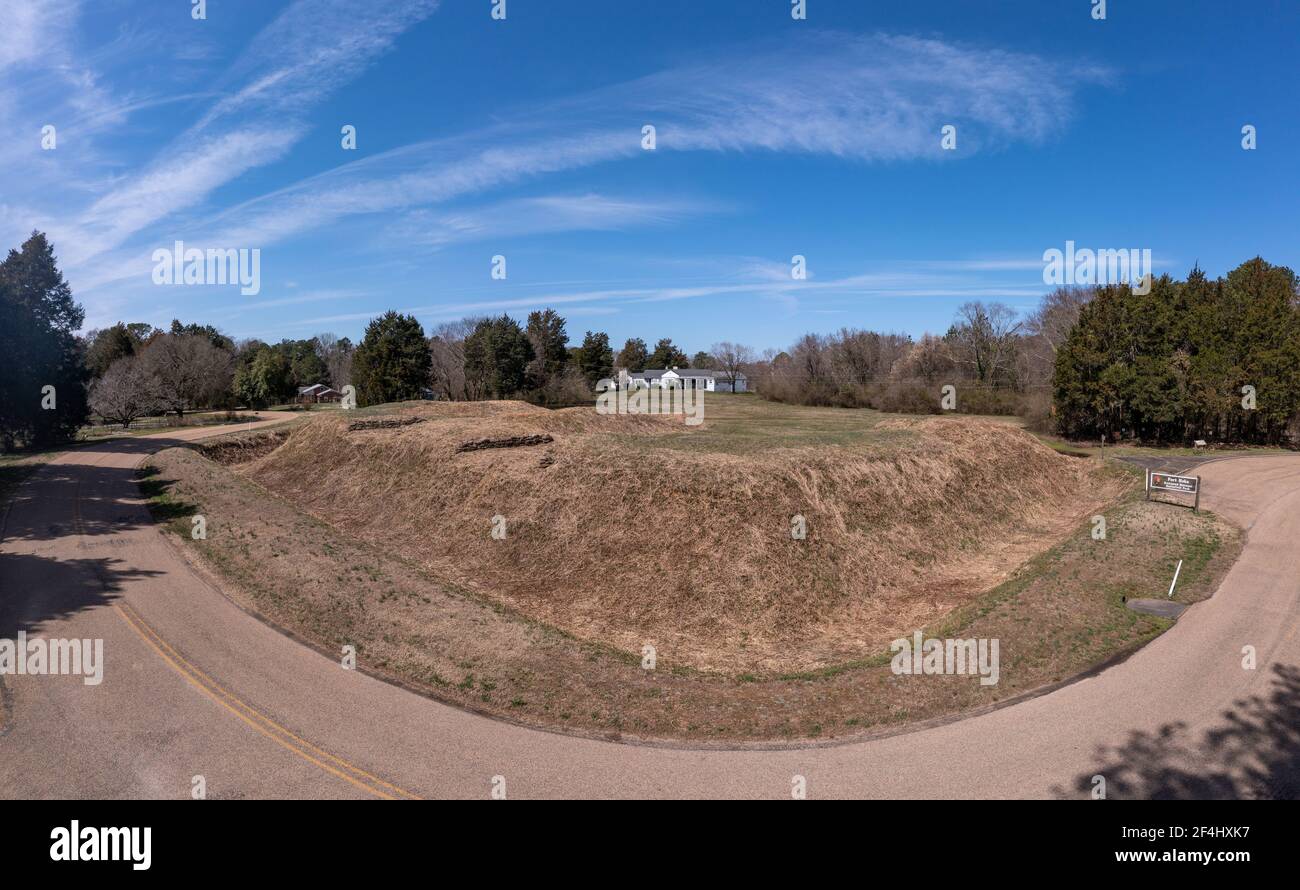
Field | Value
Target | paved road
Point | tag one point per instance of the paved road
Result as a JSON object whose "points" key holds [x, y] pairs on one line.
{"points": [[195, 687]]}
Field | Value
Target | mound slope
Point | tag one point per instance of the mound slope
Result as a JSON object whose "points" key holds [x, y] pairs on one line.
{"points": [[615, 539]]}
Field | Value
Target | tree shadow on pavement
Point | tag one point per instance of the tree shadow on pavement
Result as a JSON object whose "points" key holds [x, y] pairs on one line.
{"points": [[35, 590], [88, 498], [1254, 753]]}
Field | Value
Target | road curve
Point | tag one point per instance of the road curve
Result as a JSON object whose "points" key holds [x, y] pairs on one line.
{"points": [[193, 686]]}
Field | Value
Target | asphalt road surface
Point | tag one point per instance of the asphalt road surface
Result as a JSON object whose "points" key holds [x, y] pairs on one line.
{"points": [[193, 686]]}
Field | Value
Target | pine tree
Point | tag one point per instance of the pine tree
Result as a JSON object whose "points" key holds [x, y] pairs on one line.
{"points": [[666, 355], [43, 399], [597, 358], [497, 354], [392, 362], [634, 355], [1172, 365], [550, 344]]}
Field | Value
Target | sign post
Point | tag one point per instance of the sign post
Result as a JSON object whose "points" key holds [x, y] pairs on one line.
{"points": [[1179, 484]]}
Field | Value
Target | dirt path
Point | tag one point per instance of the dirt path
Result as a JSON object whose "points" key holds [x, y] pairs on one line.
{"points": [[195, 687]]}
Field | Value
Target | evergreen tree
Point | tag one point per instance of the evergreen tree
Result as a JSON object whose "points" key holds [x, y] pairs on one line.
{"points": [[666, 355], [38, 324], [597, 358], [264, 377], [306, 367], [207, 331], [550, 344], [497, 354], [1171, 365], [106, 347], [634, 355], [392, 361]]}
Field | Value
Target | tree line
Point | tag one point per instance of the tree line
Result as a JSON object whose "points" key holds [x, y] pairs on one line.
{"points": [[1217, 360], [55, 380], [1191, 359], [497, 358], [135, 370], [999, 363], [1196, 359]]}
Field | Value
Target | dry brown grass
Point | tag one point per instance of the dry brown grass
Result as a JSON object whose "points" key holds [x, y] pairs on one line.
{"points": [[629, 536], [242, 448], [1058, 614]]}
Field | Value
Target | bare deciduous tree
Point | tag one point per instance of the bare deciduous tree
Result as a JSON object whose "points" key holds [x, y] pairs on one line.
{"points": [[984, 340], [336, 353], [125, 393], [733, 359], [189, 372], [447, 371], [1048, 326], [927, 360]]}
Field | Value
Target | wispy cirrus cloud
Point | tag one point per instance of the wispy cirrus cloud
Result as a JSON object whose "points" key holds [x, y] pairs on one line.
{"points": [[538, 215], [868, 99], [874, 98], [307, 52], [751, 281], [44, 79], [33, 29]]}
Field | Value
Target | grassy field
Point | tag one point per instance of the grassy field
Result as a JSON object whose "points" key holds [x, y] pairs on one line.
{"points": [[1056, 614], [150, 425], [744, 423]]}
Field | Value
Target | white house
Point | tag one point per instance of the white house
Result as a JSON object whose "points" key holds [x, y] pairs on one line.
{"points": [[690, 378]]}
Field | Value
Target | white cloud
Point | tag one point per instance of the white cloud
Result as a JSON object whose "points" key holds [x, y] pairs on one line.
{"points": [[312, 48], [867, 98], [33, 30], [873, 98], [547, 214]]}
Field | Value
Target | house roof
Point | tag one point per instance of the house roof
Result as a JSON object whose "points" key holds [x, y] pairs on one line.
{"points": [[652, 373], [314, 390]]}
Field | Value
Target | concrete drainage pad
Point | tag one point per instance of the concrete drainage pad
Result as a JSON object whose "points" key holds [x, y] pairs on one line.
{"points": [[1162, 608]]}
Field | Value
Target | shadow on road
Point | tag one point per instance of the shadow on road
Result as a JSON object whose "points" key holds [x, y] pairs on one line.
{"points": [[83, 497], [52, 513], [1254, 753], [35, 590]]}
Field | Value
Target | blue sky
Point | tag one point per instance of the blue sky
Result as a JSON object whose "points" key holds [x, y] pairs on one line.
{"points": [[522, 138]]}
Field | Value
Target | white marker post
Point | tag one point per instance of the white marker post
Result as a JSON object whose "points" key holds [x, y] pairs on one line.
{"points": [[1171, 586]]}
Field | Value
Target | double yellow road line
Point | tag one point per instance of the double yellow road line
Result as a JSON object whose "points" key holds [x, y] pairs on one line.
{"points": [[257, 720]]}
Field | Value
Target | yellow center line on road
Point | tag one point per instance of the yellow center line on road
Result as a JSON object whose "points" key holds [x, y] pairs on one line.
{"points": [[257, 720], [282, 736]]}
